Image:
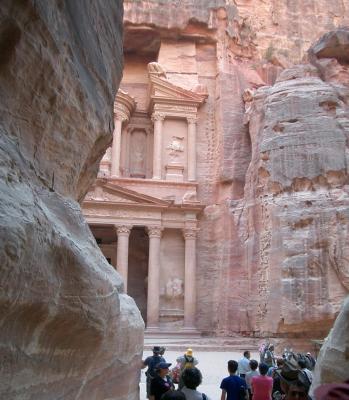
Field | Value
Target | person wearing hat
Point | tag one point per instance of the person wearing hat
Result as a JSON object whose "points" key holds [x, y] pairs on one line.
{"points": [[186, 361], [162, 383], [293, 381], [151, 362]]}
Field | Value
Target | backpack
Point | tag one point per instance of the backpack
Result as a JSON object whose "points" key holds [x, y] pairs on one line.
{"points": [[188, 362]]}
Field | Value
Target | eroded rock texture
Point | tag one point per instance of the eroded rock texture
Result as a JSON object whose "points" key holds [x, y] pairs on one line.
{"points": [[333, 361], [271, 164], [67, 330]]}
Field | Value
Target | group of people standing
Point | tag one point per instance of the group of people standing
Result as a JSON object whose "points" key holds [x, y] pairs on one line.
{"points": [[161, 381], [277, 379]]}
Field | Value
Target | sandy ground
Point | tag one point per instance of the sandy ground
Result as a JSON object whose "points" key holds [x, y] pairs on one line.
{"points": [[212, 364]]}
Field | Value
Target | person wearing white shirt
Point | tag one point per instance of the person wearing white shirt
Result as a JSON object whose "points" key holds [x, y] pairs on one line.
{"points": [[244, 364]]}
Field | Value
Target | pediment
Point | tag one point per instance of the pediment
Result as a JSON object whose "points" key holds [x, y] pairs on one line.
{"points": [[162, 89], [115, 194]]}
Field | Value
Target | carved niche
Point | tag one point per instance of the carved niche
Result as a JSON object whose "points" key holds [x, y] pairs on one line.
{"points": [[137, 148]]}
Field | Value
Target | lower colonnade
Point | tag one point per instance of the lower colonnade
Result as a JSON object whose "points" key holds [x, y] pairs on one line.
{"points": [[151, 241], [154, 267]]}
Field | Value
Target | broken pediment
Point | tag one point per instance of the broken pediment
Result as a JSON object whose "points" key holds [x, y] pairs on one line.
{"points": [[163, 91], [115, 194]]}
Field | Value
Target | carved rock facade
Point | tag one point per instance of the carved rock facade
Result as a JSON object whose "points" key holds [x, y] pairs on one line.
{"points": [[63, 314], [264, 186]]}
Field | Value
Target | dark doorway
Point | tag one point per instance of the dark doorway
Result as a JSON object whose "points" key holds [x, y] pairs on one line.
{"points": [[138, 268]]}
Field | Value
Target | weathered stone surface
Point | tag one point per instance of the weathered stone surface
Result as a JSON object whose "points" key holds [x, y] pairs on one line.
{"points": [[297, 206], [67, 329], [333, 360], [333, 44]]}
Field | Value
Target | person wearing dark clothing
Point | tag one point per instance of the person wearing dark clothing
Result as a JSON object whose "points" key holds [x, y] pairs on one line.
{"points": [[151, 362], [233, 387], [162, 383]]}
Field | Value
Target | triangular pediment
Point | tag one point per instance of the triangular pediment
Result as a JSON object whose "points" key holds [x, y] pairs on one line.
{"points": [[162, 89], [107, 192]]}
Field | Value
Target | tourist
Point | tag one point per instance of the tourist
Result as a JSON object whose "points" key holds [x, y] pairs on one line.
{"points": [[276, 379], [293, 381], [269, 358], [186, 361], [161, 383], [262, 385], [233, 387], [173, 395], [310, 361], [151, 362], [250, 374], [192, 378], [279, 364], [303, 366], [244, 364]]}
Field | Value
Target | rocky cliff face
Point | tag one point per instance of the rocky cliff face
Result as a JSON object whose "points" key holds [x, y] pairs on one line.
{"points": [[272, 163], [64, 317]]}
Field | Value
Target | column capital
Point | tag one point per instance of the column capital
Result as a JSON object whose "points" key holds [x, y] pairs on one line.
{"points": [[154, 231], [157, 116], [123, 229], [120, 117], [190, 233], [192, 120]]}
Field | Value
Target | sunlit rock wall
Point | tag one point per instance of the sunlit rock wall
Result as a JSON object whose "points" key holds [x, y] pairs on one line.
{"points": [[67, 330], [272, 242]]}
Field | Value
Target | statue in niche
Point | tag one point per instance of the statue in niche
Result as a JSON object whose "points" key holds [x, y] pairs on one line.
{"points": [[137, 154], [175, 148], [174, 288]]}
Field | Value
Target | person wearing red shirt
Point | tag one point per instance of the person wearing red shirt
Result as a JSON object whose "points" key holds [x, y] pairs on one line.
{"points": [[262, 385]]}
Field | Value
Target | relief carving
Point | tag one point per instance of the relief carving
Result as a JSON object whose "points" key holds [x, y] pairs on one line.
{"points": [[174, 288], [138, 154], [175, 147]]}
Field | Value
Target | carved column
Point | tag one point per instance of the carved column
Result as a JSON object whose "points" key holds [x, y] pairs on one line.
{"points": [[192, 148], [190, 278], [116, 147], [158, 119], [153, 303], [123, 233]]}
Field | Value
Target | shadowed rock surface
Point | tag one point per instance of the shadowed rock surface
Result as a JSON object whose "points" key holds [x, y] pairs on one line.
{"points": [[67, 330]]}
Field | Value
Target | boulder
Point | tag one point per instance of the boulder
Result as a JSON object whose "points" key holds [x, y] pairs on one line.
{"points": [[333, 361]]}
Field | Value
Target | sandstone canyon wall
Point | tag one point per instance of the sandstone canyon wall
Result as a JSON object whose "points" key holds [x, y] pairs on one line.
{"points": [[273, 237], [67, 330]]}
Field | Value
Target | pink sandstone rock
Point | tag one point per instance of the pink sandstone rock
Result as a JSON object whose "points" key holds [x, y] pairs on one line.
{"points": [[272, 243], [67, 328]]}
